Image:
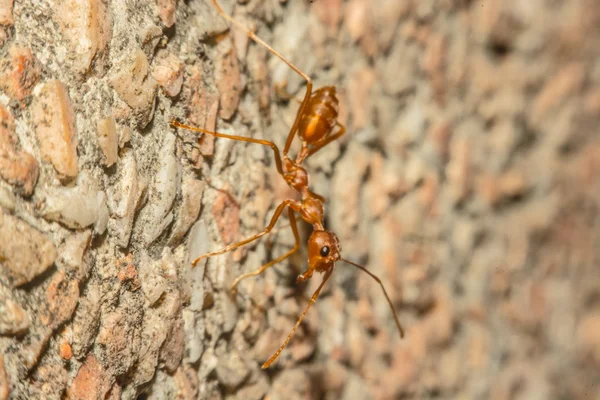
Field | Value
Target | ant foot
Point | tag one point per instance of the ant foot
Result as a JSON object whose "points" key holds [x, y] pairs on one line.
{"points": [[305, 276], [282, 92]]}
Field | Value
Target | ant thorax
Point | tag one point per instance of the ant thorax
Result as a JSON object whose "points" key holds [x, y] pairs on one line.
{"points": [[295, 175]]}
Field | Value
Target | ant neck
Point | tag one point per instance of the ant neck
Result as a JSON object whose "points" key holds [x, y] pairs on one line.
{"points": [[302, 154], [312, 210]]}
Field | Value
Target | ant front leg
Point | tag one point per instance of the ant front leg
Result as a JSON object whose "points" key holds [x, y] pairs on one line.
{"points": [[278, 211], [304, 277], [275, 261], [310, 303]]}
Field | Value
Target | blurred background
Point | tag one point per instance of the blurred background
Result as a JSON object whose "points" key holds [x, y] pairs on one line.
{"points": [[468, 182]]}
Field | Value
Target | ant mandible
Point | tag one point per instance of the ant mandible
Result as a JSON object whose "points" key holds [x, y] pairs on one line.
{"points": [[316, 124]]}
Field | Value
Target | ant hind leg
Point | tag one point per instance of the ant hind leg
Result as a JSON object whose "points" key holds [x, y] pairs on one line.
{"points": [[272, 145]]}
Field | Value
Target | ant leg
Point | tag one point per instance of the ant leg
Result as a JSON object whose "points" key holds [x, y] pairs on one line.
{"points": [[235, 137], [275, 261], [283, 226], [258, 40], [339, 133], [311, 302], [282, 93], [276, 214]]}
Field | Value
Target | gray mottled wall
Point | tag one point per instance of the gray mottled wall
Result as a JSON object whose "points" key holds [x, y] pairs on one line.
{"points": [[468, 181]]}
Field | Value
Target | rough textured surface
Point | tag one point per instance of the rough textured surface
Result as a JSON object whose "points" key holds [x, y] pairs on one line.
{"points": [[468, 180], [86, 26], [19, 72], [17, 167], [25, 252], [6, 17]]}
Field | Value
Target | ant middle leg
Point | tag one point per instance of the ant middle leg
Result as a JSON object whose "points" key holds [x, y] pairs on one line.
{"points": [[278, 259], [276, 214]]}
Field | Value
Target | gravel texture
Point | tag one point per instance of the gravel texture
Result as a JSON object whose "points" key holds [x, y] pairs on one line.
{"points": [[468, 181]]}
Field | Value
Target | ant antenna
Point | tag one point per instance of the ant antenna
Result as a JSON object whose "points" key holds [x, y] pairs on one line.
{"points": [[400, 329]]}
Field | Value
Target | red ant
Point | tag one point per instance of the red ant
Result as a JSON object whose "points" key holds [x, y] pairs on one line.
{"points": [[316, 124]]}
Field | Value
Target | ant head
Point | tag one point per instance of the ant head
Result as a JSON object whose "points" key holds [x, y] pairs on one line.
{"points": [[323, 250]]}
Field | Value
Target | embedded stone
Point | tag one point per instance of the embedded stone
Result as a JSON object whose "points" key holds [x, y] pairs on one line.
{"points": [[107, 139], [192, 190], [124, 198], [87, 26], [119, 337], [54, 122], [6, 18], [19, 72], [168, 72], [171, 351], [24, 251], [86, 321], [92, 381], [71, 253], [76, 207], [227, 216], [158, 212], [228, 78], [136, 86], [4, 387], [14, 320], [17, 167], [166, 11], [61, 299]]}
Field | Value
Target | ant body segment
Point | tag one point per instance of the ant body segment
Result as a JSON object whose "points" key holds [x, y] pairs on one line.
{"points": [[316, 125]]}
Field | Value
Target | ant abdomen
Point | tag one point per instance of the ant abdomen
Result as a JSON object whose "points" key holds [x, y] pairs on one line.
{"points": [[320, 115]]}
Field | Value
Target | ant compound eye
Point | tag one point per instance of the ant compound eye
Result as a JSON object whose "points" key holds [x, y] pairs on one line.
{"points": [[324, 251]]}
